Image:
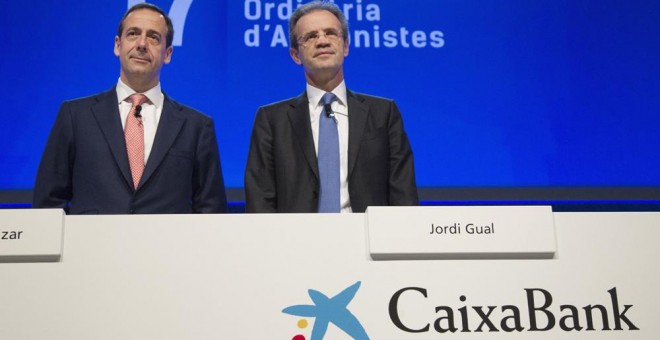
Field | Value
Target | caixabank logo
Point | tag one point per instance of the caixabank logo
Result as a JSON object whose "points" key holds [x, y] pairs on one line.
{"points": [[327, 310], [540, 309], [540, 313]]}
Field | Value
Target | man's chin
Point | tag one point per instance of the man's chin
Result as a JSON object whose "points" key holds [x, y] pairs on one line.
{"points": [[139, 70], [325, 69]]}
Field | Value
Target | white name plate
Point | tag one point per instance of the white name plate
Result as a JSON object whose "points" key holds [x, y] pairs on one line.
{"points": [[465, 232], [31, 235]]}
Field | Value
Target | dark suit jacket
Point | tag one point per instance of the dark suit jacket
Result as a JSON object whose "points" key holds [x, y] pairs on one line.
{"points": [[85, 170], [282, 171]]}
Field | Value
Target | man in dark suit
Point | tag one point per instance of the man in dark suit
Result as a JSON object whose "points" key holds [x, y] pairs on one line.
{"points": [[287, 169], [132, 149]]}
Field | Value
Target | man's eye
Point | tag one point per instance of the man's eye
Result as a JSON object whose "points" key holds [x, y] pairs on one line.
{"points": [[311, 37]]}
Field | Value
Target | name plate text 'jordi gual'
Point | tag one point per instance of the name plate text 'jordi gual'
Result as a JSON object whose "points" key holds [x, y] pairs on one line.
{"points": [[465, 232]]}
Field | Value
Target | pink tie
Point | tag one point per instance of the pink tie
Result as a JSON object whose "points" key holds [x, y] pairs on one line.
{"points": [[134, 133]]}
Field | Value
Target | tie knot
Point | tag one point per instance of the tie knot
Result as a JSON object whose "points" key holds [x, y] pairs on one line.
{"points": [[137, 99], [328, 98]]}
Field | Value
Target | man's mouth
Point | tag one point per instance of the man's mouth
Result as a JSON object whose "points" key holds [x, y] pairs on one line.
{"points": [[323, 53], [141, 59]]}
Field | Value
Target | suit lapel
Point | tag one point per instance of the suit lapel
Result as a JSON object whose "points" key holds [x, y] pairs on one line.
{"points": [[299, 117], [106, 113], [357, 119], [171, 121]]}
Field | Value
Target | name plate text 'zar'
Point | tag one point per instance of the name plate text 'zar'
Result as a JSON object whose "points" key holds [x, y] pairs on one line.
{"points": [[31, 235], [465, 232]]}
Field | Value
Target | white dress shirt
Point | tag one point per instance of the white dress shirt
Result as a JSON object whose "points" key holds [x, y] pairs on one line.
{"points": [[340, 108], [151, 111]]}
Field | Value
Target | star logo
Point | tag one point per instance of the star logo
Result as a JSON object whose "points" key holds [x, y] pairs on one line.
{"points": [[330, 310]]}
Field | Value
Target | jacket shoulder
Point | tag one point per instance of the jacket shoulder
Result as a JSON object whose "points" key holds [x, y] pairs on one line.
{"points": [[187, 111], [371, 99], [285, 104], [92, 99]]}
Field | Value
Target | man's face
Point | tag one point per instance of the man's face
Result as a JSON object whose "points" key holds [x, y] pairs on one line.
{"points": [[321, 48], [141, 46]]}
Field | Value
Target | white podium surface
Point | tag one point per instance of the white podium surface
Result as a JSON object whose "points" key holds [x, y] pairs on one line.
{"points": [[230, 277]]}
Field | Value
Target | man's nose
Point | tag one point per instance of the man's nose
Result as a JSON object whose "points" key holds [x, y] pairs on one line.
{"points": [[142, 42], [322, 40]]}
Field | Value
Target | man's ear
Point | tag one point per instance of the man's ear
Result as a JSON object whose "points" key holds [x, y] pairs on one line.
{"points": [[117, 42], [294, 55], [168, 55]]}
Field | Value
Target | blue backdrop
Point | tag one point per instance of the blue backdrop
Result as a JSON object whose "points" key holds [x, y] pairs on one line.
{"points": [[507, 93]]}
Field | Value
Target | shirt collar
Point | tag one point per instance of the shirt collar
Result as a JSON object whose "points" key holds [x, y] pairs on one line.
{"points": [[314, 94], [155, 95]]}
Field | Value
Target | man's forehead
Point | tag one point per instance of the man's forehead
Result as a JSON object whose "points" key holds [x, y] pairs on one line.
{"points": [[146, 15], [311, 20]]}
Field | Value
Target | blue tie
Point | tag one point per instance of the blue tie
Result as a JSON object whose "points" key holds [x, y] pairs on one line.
{"points": [[328, 156]]}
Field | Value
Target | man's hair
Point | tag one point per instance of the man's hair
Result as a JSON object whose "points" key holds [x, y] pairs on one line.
{"points": [[311, 7], [170, 28]]}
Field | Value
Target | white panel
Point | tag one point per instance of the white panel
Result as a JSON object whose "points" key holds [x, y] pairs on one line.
{"points": [[230, 277]]}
